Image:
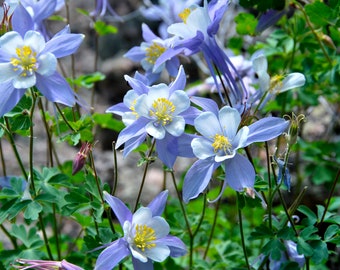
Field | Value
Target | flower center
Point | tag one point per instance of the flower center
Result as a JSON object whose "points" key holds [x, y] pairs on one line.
{"points": [[185, 14], [144, 237], [162, 109], [221, 143], [132, 108], [275, 83], [26, 61], [153, 52]]}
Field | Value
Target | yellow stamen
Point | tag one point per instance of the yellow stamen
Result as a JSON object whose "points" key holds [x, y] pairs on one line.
{"points": [[185, 14], [144, 237], [162, 109], [275, 82], [221, 143], [132, 108], [26, 60], [153, 52]]}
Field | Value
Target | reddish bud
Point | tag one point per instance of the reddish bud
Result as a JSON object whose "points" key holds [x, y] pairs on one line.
{"points": [[80, 159]]}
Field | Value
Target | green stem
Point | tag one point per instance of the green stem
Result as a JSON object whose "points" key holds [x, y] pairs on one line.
{"points": [[115, 170], [3, 163], [8, 131], [270, 188], [242, 233], [330, 196], [144, 174], [56, 231], [217, 207], [31, 142], [202, 216], [10, 237], [64, 118]]}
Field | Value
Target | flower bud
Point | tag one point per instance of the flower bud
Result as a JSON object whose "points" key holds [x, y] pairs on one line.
{"points": [[80, 159], [293, 130]]}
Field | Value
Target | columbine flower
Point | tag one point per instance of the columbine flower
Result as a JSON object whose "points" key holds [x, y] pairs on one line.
{"points": [[197, 34], [275, 85], [218, 146], [166, 11], [102, 7], [146, 236], [160, 111], [148, 53], [45, 265], [27, 61]]}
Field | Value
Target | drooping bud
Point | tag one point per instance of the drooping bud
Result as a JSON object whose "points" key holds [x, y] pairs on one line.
{"points": [[80, 159], [293, 130]]}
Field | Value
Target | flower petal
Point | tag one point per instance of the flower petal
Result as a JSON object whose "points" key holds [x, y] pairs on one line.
{"points": [[138, 265], [10, 41], [34, 40], [158, 253], [21, 20], [176, 127], [7, 73], [56, 89], [112, 255], [230, 120], [157, 205], [119, 208], [176, 245], [202, 148], [180, 81], [9, 97], [180, 100], [198, 177], [137, 128], [266, 129], [47, 64], [293, 80], [239, 173], [156, 131], [214, 125]]}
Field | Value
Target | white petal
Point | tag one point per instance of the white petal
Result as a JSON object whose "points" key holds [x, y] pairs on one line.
{"points": [[208, 125], [7, 72], [292, 80], [138, 255], [156, 131], [158, 253], [230, 120], [240, 139], [176, 127], [10, 41], [180, 100], [35, 40], [160, 226], [202, 148], [141, 216], [20, 82], [47, 64]]}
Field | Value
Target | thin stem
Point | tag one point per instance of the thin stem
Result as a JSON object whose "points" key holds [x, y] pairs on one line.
{"points": [[242, 233], [115, 169], [15, 150], [64, 118], [3, 163], [56, 231], [202, 216], [31, 141], [330, 196], [217, 207], [144, 174], [10, 237], [269, 205], [49, 139]]}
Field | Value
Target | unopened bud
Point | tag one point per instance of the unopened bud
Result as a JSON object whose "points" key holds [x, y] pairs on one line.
{"points": [[80, 159], [293, 131]]}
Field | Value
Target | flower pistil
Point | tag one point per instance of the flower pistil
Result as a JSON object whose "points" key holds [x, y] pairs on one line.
{"points": [[153, 52], [162, 109], [221, 143], [144, 237], [26, 61]]}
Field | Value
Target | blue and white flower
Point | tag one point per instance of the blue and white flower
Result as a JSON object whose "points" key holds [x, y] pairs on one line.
{"points": [[146, 236]]}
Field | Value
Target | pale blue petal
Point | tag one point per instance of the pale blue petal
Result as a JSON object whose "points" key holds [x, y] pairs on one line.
{"points": [[129, 117], [176, 245], [148, 35], [47, 64], [176, 127], [197, 178], [292, 80], [10, 41], [266, 129], [133, 143], [7, 73], [157, 205], [34, 40], [180, 100], [9, 97], [240, 173], [141, 106], [260, 63], [208, 125], [112, 255], [43, 9], [20, 82], [202, 148], [56, 89], [142, 216], [119, 208], [190, 115], [64, 45], [180, 81], [240, 140], [118, 109], [135, 54], [160, 226], [158, 253], [156, 131], [230, 120]]}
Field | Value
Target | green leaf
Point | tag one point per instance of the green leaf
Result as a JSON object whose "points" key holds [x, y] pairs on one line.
{"points": [[261, 232], [274, 248], [30, 239], [319, 13], [32, 211], [88, 80], [104, 29], [304, 248], [311, 217], [106, 120], [245, 24], [331, 231], [320, 254]]}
